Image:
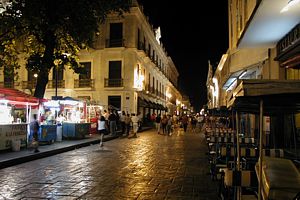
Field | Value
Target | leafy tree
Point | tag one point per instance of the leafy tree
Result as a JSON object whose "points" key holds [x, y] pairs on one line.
{"points": [[49, 32]]}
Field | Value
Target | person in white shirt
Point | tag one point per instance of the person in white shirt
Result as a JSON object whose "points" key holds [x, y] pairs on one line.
{"points": [[122, 120], [101, 129], [135, 124]]}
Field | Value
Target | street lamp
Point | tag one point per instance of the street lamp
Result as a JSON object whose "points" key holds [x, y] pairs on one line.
{"points": [[57, 62]]}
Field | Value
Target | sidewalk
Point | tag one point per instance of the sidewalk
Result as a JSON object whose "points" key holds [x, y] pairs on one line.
{"points": [[8, 159]]}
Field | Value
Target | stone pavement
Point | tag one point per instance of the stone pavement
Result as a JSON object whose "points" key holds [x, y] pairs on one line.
{"points": [[13, 158], [151, 166]]}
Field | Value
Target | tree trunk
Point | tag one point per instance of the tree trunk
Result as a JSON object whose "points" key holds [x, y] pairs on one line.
{"points": [[47, 61], [41, 84]]}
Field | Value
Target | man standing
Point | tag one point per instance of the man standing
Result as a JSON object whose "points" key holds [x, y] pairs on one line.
{"points": [[34, 128], [112, 123], [122, 120], [135, 124], [158, 123]]}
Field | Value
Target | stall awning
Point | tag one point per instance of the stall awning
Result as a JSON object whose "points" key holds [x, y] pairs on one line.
{"points": [[17, 97]]}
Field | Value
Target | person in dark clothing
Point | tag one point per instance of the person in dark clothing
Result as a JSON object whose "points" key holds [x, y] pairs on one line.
{"points": [[184, 122], [112, 123], [34, 127], [158, 123]]}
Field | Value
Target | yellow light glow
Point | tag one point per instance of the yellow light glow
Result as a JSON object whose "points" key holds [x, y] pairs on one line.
{"points": [[169, 95], [138, 80]]}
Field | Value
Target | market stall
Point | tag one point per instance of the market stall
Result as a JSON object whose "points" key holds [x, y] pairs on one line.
{"points": [[48, 126], [76, 125], [93, 113], [15, 111]]}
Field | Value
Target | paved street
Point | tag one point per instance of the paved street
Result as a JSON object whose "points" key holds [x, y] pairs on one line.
{"points": [[151, 166]]}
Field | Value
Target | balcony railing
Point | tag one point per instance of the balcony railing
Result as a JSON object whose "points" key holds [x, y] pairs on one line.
{"points": [[84, 83], [10, 84], [52, 84], [114, 43], [28, 84], [113, 82]]}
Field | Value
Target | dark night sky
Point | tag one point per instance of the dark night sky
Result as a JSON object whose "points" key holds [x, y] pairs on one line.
{"points": [[192, 34]]}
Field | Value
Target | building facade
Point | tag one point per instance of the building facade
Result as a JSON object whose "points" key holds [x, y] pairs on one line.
{"points": [[127, 67], [256, 31]]}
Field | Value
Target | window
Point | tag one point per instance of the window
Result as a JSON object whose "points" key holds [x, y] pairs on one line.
{"points": [[8, 77], [87, 71], [115, 101], [115, 69], [114, 75], [116, 35]]}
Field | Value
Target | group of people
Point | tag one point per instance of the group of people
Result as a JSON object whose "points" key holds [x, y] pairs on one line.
{"points": [[110, 122], [166, 123]]}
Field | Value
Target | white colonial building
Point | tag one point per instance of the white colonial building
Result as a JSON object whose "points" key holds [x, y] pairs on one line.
{"points": [[127, 67]]}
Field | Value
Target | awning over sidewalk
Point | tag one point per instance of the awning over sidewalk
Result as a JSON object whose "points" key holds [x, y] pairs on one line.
{"points": [[149, 104]]}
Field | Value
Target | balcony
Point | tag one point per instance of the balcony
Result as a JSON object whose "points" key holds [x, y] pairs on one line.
{"points": [[84, 83], [113, 82], [10, 84], [114, 43], [29, 84], [52, 84]]}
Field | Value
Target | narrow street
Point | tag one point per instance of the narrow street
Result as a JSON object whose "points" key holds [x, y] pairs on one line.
{"points": [[151, 166]]}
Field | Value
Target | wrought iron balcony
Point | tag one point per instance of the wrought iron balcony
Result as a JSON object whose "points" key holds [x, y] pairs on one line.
{"points": [[114, 43], [84, 83], [29, 84], [113, 82], [10, 84], [52, 84]]}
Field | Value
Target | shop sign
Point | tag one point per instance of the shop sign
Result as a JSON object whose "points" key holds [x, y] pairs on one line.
{"points": [[289, 40], [10, 132]]}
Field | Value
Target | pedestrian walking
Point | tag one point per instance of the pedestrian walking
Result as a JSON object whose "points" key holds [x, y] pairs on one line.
{"points": [[34, 128], [127, 124], [193, 124], [122, 121], [164, 122], [158, 123], [102, 129], [112, 118], [135, 124], [184, 122], [169, 125]]}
